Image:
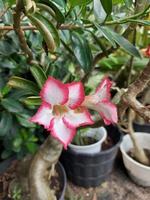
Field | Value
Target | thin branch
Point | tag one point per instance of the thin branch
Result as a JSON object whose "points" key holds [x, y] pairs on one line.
{"points": [[138, 150], [129, 98], [127, 19], [4, 11], [19, 31], [10, 28], [76, 26]]}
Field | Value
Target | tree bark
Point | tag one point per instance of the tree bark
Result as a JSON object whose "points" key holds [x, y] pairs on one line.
{"points": [[43, 163]]}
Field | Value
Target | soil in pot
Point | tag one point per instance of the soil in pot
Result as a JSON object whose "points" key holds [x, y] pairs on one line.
{"points": [[87, 141], [147, 152], [8, 181], [107, 144]]}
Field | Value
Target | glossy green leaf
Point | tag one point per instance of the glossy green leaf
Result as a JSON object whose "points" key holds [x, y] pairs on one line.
{"points": [[23, 119], [107, 34], [107, 5], [33, 101], [99, 11], [74, 3], [12, 105], [24, 84], [82, 51], [50, 27], [5, 123], [59, 15], [125, 44], [61, 3], [39, 75]]}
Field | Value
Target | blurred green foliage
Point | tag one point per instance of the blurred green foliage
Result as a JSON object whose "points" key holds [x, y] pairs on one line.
{"points": [[81, 30]]}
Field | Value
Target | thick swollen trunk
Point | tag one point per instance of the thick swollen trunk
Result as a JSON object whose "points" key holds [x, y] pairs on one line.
{"points": [[41, 169], [138, 150]]}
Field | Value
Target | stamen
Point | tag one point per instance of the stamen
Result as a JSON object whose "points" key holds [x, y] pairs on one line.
{"points": [[59, 109]]}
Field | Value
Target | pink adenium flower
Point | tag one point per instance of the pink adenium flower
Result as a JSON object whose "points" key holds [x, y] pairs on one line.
{"points": [[61, 111], [147, 52], [100, 101]]}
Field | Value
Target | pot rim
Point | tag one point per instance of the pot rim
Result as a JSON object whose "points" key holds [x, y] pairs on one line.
{"points": [[138, 123], [65, 180], [91, 145], [131, 159], [103, 152]]}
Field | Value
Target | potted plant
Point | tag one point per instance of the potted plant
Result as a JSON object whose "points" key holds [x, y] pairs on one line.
{"points": [[65, 113], [90, 169], [136, 154], [88, 140], [84, 165], [83, 38], [138, 172]]}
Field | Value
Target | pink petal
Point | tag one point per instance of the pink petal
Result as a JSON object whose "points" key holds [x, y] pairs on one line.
{"points": [[76, 94], [61, 131], [103, 90], [108, 111], [54, 92], [43, 116], [76, 118]]}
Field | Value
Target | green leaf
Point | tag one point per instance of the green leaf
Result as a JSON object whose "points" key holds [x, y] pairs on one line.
{"points": [[107, 5], [5, 90], [125, 44], [107, 34], [24, 84], [117, 1], [32, 147], [50, 27], [17, 144], [74, 3], [10, 2], [128, 3], [12, 105], [59, 15], [99, 11], [33, 101], [39, 75], [82, 51], [23, 119], [61, 3], [5, 123]]}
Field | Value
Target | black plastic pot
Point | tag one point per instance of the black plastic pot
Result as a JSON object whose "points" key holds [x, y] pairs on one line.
{"points": [[141, 127], [59, 168], [90, 170], [63, 178]]}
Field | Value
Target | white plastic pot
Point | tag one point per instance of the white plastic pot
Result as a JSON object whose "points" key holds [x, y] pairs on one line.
{"points": [[99, 134], [139, 173]]}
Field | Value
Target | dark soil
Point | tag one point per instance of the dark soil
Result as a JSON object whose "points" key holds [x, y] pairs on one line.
{"points": [[107, 144], [86, 141], [5, 180], [147, 152], [8, 178]]}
